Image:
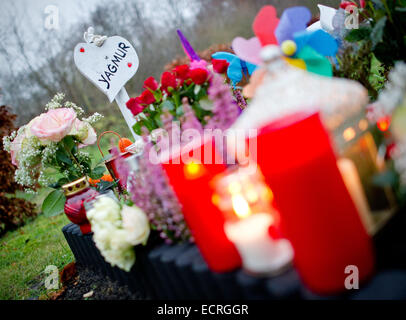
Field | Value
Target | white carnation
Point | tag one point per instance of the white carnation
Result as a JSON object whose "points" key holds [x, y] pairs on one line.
{"points": [[135, 222]]}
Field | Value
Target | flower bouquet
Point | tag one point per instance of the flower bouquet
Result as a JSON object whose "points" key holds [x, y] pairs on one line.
{"points": [[175, 85], [47, 151]]}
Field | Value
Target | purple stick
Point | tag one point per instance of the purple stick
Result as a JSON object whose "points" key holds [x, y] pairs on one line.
{"points": [[187, 47]]}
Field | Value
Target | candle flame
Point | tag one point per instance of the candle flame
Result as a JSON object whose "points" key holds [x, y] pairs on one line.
{"points": [[240, 206], [193, 170], [349, 134]]}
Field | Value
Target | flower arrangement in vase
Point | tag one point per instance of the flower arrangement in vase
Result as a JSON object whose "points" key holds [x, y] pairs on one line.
{"points": [[48, 150]]}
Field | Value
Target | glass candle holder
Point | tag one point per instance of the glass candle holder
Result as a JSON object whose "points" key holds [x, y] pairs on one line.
{"points": [[251, 222], [318, 215], [190, 182], [77, 192], [133, 163]]}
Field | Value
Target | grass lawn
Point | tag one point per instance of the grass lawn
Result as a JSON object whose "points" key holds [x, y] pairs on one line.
{"points": [[25, 253]]}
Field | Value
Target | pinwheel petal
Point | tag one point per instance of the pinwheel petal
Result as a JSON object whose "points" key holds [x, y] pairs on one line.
{"points": [[293, 20], [319, 40], [251, 67], [220, 55], [298, 63], [234, 71], [265, 24], [315, 62], [248, 50]]}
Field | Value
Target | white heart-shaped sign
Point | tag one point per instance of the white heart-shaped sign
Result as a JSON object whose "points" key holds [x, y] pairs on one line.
{"points": [[110, 66]]}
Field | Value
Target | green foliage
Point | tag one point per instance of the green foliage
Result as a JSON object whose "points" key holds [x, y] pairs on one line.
{"points": [[360, 64], [385, 34], [53, 203], [97, 172]]}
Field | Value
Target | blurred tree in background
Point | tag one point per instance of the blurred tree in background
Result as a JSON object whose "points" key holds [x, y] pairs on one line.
{"points": [[13, 212], [46, 61]]}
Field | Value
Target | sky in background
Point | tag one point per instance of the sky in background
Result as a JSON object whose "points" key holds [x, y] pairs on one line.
{"points": [[70, 11]]}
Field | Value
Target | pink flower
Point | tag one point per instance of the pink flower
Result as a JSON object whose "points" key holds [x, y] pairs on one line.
{"points": [[15, 148], [195, 64], [54, 125]]}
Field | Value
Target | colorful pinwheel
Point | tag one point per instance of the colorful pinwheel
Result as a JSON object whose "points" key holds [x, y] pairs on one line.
{"points": [[302, 48], [237, 67]]}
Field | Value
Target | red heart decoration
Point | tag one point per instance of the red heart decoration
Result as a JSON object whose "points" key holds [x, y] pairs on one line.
{"points": [[129, 64], [82, 50], [265, 24]]}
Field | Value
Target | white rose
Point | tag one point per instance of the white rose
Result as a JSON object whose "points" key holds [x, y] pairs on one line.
{"points": [[105, 210], [135, 222]]}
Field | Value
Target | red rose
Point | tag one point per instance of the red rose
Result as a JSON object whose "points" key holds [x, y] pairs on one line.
{"points": [[345, 4], [182, 72], [134, 105], [168, 80], [147, 97], [220, 66], [199, 75], [151, 83]]}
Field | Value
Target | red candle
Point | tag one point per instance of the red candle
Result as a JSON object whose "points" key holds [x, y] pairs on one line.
{"points": [[190, 181], [317, 213]]}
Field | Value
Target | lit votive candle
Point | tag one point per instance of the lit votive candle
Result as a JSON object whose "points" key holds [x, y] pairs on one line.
{"points": [[245, 200], [259, 252]]}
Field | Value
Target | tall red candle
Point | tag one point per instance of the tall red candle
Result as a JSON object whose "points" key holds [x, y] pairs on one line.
{"points": [[190, 182], [317, 213]]}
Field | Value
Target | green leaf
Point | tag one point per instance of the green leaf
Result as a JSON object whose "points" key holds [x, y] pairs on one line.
{"points": [[97, 172], [377, 32], [167, 105], [102, 186], [179, 111], [149, 124], [137, 127], [53, 203], [69, 142], [63, 157], [158, 121], [358, 34]]}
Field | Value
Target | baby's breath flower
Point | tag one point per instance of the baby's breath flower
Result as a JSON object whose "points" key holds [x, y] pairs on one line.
{"points": [[79, 111], [56, 101], [93, 118], [49, 153]]}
